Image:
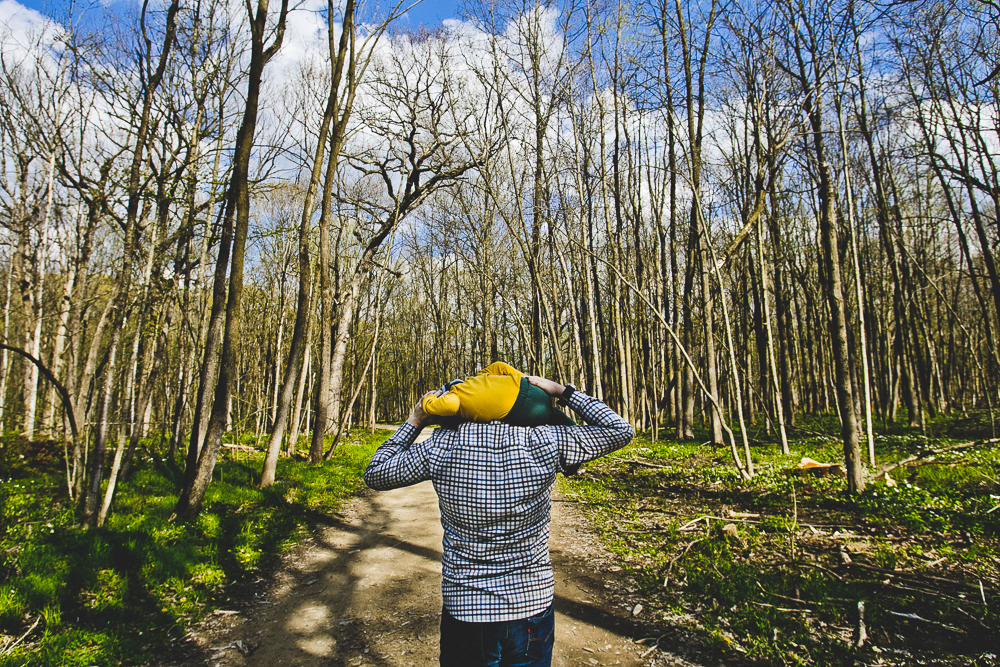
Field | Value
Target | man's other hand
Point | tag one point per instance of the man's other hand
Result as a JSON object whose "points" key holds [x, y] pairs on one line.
{"points": [[418, 417], [548, 386]]}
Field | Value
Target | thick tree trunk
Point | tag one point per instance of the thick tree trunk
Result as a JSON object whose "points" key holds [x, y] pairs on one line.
{"points": [[321, 417], [300, 394], [338, 356], [711, 363], [339, 107], [838, 334]]}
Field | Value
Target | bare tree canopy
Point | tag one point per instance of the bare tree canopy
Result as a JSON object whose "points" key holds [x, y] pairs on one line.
{"points": [[223, 222]]}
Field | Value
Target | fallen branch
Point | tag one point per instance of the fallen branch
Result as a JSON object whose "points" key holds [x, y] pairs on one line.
{"points": [[804, 564], [915, 617], [900, 587], [242, 448], [676, 558], [646, 531], [916, 575], [692, 522], [783, 597], [639, 463], [783, 609], [10, 647], [973, 618], [924, 459], [652, 648]]}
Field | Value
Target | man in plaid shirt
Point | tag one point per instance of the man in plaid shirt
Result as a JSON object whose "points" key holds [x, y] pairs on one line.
{"points": [[494, 483]]}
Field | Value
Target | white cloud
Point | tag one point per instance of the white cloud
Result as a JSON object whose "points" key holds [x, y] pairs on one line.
{"points": [[22, 29], [16, 16], [305, 33]]}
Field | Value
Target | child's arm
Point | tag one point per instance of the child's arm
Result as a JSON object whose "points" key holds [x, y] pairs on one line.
{"points": [[500, 368], [444, 405]]}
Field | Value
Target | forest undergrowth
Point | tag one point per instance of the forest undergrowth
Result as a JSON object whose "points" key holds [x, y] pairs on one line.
{"points": [[118, 595], [787, 569], [769, 571]]}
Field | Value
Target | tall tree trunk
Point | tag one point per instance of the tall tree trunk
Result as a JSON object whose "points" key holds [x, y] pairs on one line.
{"points": [[708, 302], [770, 357], [88, 515], [838, 333], [4, 361], [34, 344], [235, 222], [321, 417], [333, 107], [59, 347], [304, 374], [116, 314]]}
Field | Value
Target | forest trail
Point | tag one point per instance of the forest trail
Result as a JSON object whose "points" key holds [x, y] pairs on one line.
{"points": [[365, 590]]}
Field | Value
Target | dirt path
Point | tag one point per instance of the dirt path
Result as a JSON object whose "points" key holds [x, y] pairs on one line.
{"points": [[366, 590]]}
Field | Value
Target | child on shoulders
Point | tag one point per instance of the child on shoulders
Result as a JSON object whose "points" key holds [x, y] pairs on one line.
{"points": [[499, 391]]}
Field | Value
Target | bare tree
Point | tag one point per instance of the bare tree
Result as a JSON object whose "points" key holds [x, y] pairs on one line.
{"points": [[809, 46], [413, 146], [231, 256], [348, 63]]}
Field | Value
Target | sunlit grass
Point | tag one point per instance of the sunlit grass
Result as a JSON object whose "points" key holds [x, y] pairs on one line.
{"points": [[119, 594], [757, 573]]}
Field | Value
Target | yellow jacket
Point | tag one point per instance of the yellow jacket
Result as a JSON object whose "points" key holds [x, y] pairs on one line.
{"points": [[484, 397]]}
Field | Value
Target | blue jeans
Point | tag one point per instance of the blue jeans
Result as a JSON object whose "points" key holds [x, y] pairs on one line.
{"points": [[526, 642]]}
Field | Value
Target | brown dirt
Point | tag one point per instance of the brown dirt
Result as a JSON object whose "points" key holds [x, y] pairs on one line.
{"points": [[366, 590]]}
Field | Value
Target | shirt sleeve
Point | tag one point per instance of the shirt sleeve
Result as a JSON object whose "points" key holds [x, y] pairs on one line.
{"points": [[398, 462], [604, 432]]}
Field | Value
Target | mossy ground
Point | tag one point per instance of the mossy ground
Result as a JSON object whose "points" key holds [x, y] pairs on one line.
{"points": [[772, 570], [119, 594]]}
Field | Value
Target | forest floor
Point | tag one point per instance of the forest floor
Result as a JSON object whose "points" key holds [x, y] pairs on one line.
{"points": [[778, 568], [663, 555], [366, 590]]}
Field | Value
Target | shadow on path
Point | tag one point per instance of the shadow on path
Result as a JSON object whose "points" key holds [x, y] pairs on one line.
{"points": [[364, 589]]}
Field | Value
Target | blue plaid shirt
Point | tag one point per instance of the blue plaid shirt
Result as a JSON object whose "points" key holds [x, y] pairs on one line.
{"points": [[494, 483]]}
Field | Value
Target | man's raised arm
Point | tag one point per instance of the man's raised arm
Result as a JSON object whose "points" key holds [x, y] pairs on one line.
{"points": [[604, 431], [396, 462]]}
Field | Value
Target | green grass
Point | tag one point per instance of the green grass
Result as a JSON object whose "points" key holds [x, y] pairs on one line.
{"points": [[769, 589], [753, 570], [119, 594]]}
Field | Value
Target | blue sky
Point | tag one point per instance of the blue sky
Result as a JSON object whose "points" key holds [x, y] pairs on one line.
{"points": [[429, 13]]}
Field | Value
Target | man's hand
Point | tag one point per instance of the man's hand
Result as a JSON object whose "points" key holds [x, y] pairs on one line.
{"points": [[418, 417], [548, 386]]}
